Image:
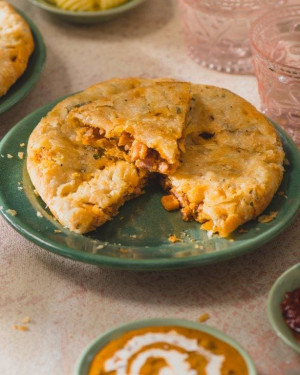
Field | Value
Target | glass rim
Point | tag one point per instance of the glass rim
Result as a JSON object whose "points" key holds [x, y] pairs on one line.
{"points": [[262, 20]]}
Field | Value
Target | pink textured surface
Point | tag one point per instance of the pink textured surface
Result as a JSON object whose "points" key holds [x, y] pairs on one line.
{"points": [[71, 303]]}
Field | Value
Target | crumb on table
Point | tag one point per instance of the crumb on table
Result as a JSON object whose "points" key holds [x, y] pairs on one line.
{"points": [[203, 318], [26, 320], [17, 327]]}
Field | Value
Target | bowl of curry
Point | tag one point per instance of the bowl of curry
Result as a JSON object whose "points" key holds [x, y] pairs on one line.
{"points": [[164, 346]]}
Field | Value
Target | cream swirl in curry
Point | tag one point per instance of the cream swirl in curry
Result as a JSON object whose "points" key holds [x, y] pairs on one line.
{"points": [[168, 351]]}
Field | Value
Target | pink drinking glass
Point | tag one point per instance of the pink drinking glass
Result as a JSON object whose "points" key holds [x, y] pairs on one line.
{"points": [[275, 42], [216, 31]]}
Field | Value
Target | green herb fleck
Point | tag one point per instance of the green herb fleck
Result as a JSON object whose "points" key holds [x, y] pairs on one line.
{"points": [[100, 153]]}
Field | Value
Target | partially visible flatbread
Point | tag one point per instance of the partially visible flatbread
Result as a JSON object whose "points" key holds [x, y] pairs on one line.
{"points": [[16, 46], [232, 166]]}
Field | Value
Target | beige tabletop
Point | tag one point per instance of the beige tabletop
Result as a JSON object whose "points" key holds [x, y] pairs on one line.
{"points": [[71, 303]]}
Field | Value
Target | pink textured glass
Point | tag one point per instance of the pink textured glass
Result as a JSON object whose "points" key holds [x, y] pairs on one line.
{"points": [[275, 41], [216, 31]]}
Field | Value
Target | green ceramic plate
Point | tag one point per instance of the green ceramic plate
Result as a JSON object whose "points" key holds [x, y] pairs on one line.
{"points": [[85, 17], [138, 237], [85, 359], [32, 73], [288, 281]]}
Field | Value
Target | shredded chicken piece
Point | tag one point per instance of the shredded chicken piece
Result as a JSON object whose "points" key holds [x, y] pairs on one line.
{"points": [[163, 167], [125, 140], [138, 151]]}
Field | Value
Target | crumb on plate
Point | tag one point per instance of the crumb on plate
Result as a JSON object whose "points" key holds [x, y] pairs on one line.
{"points": [[11, 212], [173, 238], [267, 218], [123, 251], [170, 203]]}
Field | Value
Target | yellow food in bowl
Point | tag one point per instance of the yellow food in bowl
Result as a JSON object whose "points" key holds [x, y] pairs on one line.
{"points": [[107, 4], [87, 5]]}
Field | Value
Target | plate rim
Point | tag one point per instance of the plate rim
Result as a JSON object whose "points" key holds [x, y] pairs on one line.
{"points": [[42, 4], [235, 250], [38, 68], [99, 341], [273, 313]]}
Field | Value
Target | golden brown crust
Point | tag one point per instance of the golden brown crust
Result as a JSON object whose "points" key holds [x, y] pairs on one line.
{"points": [[85, 160], [16, 46], [232, 166], [83, 185], [148, 119]]}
